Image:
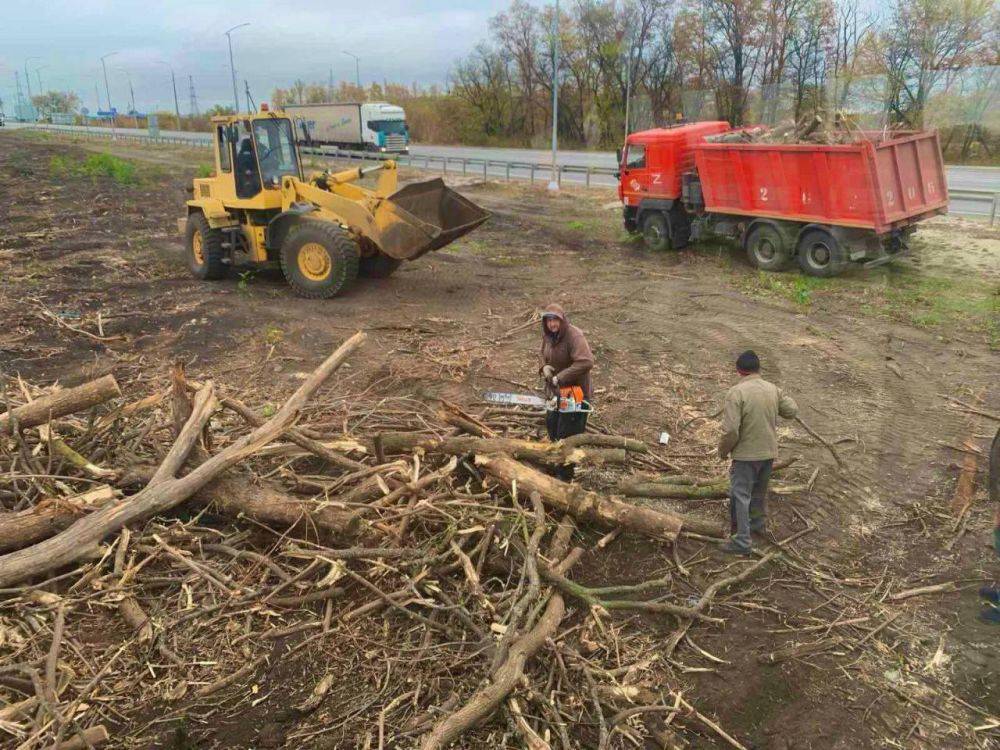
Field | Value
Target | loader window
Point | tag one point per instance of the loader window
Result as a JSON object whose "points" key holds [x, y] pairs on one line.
{"points": [[636, 156], [275, 149], [225, 155]]}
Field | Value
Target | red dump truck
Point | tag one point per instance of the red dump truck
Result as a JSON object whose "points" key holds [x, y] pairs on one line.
{"points": [[822, 205]]}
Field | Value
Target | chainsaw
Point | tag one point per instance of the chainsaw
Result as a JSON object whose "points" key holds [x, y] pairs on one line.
{"points": [[569, 399]]}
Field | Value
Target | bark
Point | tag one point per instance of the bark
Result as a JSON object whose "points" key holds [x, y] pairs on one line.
{"points": [[90, 737], [235, 496], [606, 441], [591, 506], [529, 450], [49, 517], [633, 488], [164, 490], [61, 403]]}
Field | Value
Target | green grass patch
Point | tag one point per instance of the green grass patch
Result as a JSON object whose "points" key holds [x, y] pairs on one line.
{"points": [[121, 171], [800, 290], [204, 171]]}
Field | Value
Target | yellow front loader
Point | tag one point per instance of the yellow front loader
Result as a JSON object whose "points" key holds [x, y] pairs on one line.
{"points": [[258, 209]]}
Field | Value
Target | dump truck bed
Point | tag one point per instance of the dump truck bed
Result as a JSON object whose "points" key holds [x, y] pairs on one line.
{"points": [[875, 183]]}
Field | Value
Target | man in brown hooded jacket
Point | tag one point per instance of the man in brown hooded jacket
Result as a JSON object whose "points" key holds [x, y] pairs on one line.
{"points": [[566, 360]]}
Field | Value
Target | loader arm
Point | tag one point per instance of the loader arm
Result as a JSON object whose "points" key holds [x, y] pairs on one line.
{"points": [[403, 224]]}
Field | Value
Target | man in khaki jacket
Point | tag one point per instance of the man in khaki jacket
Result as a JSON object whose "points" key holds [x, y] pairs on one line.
{"points": [[749, 419]]}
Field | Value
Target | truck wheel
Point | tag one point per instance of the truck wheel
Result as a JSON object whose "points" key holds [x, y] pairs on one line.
{"points": [[766, 248], [656, 231], [820, 254], [680, 227], [378, 266], [204, 248], [319, 259]]}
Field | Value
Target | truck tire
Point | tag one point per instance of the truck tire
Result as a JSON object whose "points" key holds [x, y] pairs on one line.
{"points": [[204, 248], [656, 231], [766, 248], [680, 227], [319, 259], [378, 266], [819, 254]]}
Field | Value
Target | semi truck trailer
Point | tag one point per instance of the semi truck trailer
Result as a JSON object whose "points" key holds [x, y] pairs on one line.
{"points": [[823, 206], [366, 126]]}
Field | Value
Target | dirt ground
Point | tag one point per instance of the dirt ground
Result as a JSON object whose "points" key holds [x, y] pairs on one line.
{"points": [[871, 359]]}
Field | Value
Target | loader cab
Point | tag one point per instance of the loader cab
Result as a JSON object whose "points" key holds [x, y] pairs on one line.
{"points": [[257, 151]]}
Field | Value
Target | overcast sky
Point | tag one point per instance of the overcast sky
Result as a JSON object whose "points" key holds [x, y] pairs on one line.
{"points": [[287, 39]]}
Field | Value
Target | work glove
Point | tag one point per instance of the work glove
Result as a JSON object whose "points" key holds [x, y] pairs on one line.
{"points": [[555, 380], [548, 371]]}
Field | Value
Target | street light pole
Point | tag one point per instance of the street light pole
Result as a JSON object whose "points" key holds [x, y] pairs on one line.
{"points": [[232, 68], [39, 77], [554, 181], [357, 68], [107, 90]]}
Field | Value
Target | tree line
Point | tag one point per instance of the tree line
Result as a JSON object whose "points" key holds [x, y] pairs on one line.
{"points": [[922, 63]]}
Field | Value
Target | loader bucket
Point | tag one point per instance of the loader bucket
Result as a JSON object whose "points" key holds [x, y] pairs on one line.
{"points": [[422, 217]]}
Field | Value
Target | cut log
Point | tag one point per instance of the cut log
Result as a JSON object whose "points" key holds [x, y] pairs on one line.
{"points": [[529, 450], [49, 516], [606, 441], [633, 488], [164, 490], [61, 403], [90, 737], [676, 486], [235, 496], [589, 506]]}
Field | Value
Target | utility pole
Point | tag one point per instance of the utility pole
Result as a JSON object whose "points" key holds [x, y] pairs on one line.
{"points": [[39, 77], [173, 81], [107, 91], [131, 95], [19, 107], [232, 68], [192, 98], [27, 78], [357, 67], [554, 181], [250, 103]]}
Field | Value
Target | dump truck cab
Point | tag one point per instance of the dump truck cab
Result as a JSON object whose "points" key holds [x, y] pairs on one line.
{"points": [[650, 180], [258, 208]]}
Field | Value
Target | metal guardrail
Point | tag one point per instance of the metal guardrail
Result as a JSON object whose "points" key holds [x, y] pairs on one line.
{"points": [[465, 164], [990, 200]]}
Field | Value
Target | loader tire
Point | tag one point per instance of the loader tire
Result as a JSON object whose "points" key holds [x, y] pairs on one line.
{"points": [[767, 249], [319, 260], [378, 266], [819, 254], [204, 249], [656, 231]]}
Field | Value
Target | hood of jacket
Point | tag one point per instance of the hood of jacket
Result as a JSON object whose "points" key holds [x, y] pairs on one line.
{"points": [[555, 310]]}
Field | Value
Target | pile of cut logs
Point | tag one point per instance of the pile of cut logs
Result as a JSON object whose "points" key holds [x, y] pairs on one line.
{"points": [[175, 563]]}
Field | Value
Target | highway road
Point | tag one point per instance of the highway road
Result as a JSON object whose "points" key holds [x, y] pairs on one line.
{"points": [[959, 178]]}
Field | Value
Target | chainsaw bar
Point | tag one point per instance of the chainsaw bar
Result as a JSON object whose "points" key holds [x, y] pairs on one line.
{"points": [[514, 399]]}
